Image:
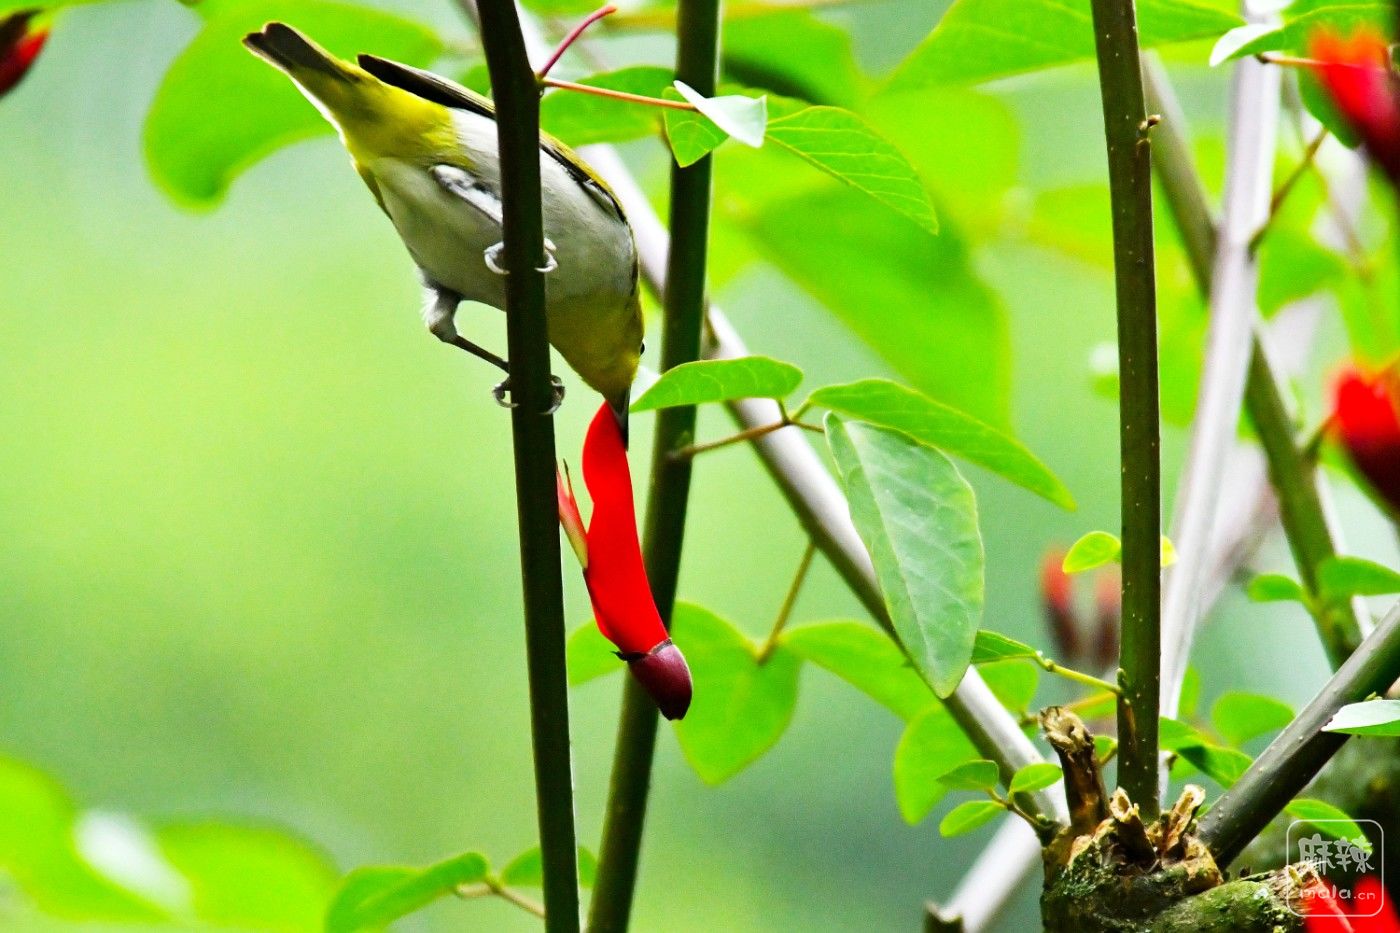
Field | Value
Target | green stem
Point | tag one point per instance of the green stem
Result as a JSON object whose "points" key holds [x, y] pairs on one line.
{"points": [[1130, 187], [1069, 673], [1294, 758], [789, 601], [517, 103], [697, 64], [1291, 471]]}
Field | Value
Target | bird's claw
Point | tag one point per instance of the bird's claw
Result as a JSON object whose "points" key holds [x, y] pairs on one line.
{"points": [[556, 387], [493, 258]]}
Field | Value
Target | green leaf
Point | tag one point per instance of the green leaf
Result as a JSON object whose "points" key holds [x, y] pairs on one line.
{"points": [[992, 646], [972, 775], [893, 406], [583, 119], [966, 817], [1093, 550], [1034, 777], [1340, 578], [1190, 692], [250, 877], [372, 898], [12, 6], [1276, 588], [847, 148], [1222, 765], [918, 518], [588, 655], [913, 298], [1227, 45], [194, 152], [1330, 820], [867, 659], [1373, 717], [526, 870], [1292, 266], [792, 52], [741, 708], [1344, 18], [720, 381], [38, 854], [690, 135], [738, 115], [931, 746], [978, 40], [1240, 716]]}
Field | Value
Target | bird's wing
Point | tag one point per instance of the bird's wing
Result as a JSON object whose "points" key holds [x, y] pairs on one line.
{"points": [[440, 90], [460, 184]]}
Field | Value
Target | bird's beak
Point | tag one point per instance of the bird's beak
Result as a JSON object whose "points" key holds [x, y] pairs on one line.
{"points": [[619, 405]]}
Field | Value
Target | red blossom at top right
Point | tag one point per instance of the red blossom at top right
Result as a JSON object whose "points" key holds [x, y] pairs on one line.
{"points": [[1355, 71]]}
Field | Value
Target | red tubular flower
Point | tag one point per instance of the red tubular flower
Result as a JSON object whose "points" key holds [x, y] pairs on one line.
{"points": [[1369, 911], [1355, 70], [1365, 421], [1057, 605], [1108, 616], [614, 572], [19, 46]]}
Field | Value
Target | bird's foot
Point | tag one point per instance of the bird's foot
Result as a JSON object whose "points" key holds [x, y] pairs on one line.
{"points": [[493, 258], [502, 388]]}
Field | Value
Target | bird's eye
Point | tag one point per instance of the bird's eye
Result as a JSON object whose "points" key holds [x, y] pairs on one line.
{"points": [[643, 347]]}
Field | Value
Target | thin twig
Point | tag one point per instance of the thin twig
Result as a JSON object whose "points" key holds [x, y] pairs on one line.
{"points": [[617, 95], [517, 103], [571, 38], [789, 600], [1126, 129], [1305, 162]]}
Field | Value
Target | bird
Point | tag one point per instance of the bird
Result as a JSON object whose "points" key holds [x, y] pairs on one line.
{"points": [[426, 148]]}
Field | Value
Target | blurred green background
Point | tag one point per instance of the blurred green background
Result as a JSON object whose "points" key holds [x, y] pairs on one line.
{"points": [[257, 548]]}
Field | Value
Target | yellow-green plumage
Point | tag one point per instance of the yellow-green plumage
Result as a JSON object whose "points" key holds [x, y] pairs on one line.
{"points": [[426, 148]]}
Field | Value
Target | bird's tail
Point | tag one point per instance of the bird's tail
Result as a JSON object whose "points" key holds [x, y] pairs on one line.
{"points": [[328, 80]]}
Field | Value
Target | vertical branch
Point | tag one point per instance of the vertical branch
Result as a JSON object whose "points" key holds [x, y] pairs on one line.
{"points": [[1130, 186], [697, 64], [518, 132]]}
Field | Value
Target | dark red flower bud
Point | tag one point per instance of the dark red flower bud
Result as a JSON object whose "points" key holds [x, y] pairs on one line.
{"points": [[1355, 70], [1108, 615], [1057, 603], [1365, 421], [614, 572], [20, 44]]}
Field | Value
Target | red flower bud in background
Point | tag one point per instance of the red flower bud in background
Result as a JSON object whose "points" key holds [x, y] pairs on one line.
{"points": [[20, 44], [1369, 911], [1365, 422], [1108, 615], [613, 570], [1057, 604], [1355, 70]]}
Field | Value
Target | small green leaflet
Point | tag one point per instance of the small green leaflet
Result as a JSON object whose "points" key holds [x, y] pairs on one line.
{"points": [[742, 707], [1229, 44], [904, 496], [890, 405], [1275, 588], [526, 870], [973, 775], [1330, 820], [1340, 578], [372, 898], [932, 745], [720, 381], [846, 147], [979, 40], [1100, 547], [867, 659], [1034, 777], [966, 817], [1373, 717], [993, 646], [690, 135], [1240, 716]]}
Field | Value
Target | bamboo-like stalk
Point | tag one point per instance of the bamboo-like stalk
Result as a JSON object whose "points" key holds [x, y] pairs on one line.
{"points": [[1126, 130], [1293, 758], [517, 126], [697, 64]]}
